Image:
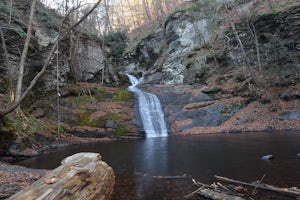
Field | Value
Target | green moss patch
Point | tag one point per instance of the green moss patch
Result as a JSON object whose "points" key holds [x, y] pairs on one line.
{"points": [[122, 95], [120, 131]]}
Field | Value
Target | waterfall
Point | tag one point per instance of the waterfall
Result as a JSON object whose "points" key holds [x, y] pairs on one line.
{"points": [[149, 108]]}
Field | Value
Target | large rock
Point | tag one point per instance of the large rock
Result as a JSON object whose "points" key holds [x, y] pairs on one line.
{"points": [[187, 107], [80, 176], [90, 60]]}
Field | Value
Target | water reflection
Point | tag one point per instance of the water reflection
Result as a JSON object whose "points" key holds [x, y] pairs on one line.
{"points": [[153, 160], [235, 156]]}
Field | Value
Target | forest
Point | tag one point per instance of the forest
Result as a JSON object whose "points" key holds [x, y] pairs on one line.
{"points": [[112, 72]]}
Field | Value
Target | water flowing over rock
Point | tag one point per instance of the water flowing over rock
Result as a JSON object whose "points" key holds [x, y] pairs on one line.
{"points": [[187, 107], [149, 110]]}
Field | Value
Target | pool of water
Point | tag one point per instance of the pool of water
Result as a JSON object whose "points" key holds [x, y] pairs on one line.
{"points": [[141, 165]]}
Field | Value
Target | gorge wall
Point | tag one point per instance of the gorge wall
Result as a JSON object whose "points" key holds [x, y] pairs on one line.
{"points": [[196, 66], [80, 56], [192, 62]]}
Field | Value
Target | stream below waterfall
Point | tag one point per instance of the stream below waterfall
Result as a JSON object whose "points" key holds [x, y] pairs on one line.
{"points": [[138, 164]]}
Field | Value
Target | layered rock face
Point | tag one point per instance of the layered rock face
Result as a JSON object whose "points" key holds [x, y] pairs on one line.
{"points": [[206, 85], [86, 64], [78, 57], [194, 43], [188, 107]]}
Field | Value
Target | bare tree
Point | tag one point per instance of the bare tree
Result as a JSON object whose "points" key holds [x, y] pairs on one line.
{"points": [[9, 69], [10, 11], [11, 107], [237, 37], [107, 25], [24, 53], [254, 35], [147, 10], [66, 6]]}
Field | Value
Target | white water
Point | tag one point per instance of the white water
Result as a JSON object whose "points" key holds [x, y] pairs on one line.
{"points": [[150, 110]]}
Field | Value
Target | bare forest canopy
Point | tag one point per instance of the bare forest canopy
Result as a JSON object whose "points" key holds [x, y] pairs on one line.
{"points": [[126, 15]]}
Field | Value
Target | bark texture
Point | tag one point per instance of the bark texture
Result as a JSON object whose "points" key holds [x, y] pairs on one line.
{"points": [[80, 176]]}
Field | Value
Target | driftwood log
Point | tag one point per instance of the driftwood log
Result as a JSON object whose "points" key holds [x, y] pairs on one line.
{"points": [[80, 176], [288, 191]]}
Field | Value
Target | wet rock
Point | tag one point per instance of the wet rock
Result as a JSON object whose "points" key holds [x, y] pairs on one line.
{"points": [[267, 157], [187, 107]]}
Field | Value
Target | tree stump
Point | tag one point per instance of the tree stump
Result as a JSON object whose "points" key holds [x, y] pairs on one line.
{"points": [[80, 176]]}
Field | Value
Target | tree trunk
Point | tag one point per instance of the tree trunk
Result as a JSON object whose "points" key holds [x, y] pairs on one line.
{"points": [[80, 176], [8, 67], [254, 35], [247, 61], [24, 53], [147, 10], [107, 26], [8, 109]]}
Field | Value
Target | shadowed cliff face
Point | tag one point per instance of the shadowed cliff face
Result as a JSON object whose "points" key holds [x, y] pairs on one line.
{"points": [[79, 57]]}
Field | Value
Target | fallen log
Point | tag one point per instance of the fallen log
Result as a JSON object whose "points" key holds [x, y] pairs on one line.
{"points": [[80, 176], [212, 192], [215, 195], [288, 191], [163, 177]]}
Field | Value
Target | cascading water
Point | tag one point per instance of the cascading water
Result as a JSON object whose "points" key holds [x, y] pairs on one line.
{"points": [[150, 111]]}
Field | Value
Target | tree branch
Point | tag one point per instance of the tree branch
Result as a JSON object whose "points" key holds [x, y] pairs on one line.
{"points": [[12, 107], [247, 61], [24, 53]]}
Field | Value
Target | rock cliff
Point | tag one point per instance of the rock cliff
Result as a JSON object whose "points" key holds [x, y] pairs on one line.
{"points": [[204, 82]]}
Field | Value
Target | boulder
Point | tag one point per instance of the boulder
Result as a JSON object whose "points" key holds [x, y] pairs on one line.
{"points": [[80, 176]]}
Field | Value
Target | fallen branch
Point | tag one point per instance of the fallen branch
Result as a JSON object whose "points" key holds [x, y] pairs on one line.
{"points": [[193, 193], [253, 192], [212, 192], [288, 191], [163, 177]]}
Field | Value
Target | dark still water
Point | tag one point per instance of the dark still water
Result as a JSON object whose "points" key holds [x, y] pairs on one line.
{"points": [[137, 163]]}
